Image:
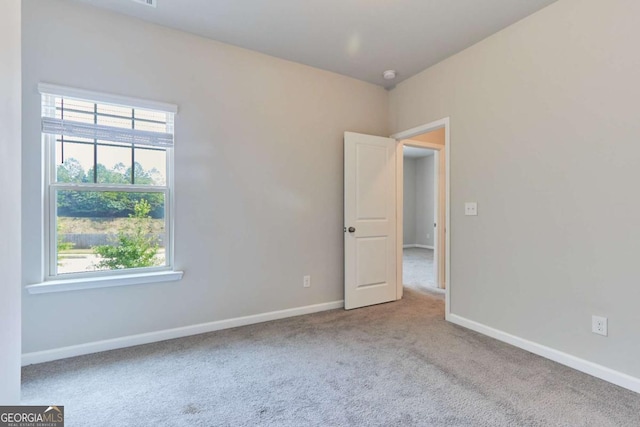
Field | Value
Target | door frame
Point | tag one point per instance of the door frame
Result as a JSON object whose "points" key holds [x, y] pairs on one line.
{"points": [[399, 137]]}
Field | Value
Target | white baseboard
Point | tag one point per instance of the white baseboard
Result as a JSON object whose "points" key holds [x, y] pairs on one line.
{"points": [[167, 334], [417, 246], [423, 246], [598, 371]]}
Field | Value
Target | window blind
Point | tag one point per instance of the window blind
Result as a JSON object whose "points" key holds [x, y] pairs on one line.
{"points": [[89, 118], [73, 129]]}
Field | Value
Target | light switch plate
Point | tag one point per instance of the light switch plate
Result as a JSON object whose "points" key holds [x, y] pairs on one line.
{"points": [[471, 208]]}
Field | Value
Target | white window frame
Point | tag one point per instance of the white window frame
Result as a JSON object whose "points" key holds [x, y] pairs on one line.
{"points": [[101, 278]]}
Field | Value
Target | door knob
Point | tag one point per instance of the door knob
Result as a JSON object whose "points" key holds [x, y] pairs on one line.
{"points": [[352, 229]]}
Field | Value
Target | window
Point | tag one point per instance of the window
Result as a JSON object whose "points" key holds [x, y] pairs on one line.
{"points": [[108, 184]]}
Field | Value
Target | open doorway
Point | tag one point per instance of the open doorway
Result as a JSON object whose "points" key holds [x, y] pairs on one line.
{"points": [[373, 185], [420, 213], [433, 136]]}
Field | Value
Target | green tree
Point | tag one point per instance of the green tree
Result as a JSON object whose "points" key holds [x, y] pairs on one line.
{"points": [[113, 176], [141, 176], [135, 246], [91, 204], [70, 171]]}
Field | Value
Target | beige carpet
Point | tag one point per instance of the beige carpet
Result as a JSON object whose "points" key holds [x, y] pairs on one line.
{"points": [[417, 268], [396, 364]]}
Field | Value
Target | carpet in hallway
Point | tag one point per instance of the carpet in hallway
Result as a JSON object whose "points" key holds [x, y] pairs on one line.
{"points": [[417, 268]]}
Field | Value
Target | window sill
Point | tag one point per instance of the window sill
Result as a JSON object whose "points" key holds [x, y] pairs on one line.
{"points": [[103, 282]]}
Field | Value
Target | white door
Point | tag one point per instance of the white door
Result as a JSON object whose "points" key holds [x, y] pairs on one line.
{"points": [[370, 220]]}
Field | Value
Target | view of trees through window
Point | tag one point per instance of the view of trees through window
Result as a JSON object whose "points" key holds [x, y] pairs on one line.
{"points": [[99, 230], [106, 177]]}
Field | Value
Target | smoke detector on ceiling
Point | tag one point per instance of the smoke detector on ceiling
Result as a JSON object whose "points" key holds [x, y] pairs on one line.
{"points": [[151, 3], [389, 74]]}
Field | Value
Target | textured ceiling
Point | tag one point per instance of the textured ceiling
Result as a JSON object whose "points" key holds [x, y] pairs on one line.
{"points": [[357, 38]]}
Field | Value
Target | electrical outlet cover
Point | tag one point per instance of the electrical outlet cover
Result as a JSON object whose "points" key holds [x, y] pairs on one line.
{"points": [[599, 325]]}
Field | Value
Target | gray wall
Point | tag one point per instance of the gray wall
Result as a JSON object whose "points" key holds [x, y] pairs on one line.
{"points": [[425, 199], [10, 113], [418, 200], [259, 175], [535, 110], [409, 202]]}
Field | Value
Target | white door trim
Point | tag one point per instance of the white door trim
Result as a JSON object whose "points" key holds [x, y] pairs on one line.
{"points": [[438, 124]]}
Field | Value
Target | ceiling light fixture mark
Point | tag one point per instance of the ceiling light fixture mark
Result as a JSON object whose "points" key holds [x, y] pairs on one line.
{"points": [[353, 44], [389, 74]]}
